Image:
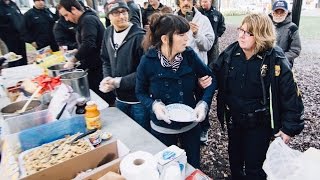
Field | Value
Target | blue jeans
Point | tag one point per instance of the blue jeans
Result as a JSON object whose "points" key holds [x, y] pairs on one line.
{"points": [[137, 112], [189, 141]]}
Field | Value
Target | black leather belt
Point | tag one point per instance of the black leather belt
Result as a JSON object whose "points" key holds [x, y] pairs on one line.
{"points": [[260, 117]]}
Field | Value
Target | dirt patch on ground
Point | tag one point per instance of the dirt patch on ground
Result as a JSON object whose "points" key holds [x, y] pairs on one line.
{"points": [[214, 156]]}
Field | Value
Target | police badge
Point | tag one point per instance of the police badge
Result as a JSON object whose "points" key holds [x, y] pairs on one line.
{"points": [[215, 18], [277, 70]]}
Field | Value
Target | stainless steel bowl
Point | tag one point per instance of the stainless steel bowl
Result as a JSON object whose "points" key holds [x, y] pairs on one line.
{"points": [[58, 69], [11, 109]]}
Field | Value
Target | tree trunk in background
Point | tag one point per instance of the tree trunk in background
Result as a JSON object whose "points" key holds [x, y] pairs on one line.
{"points": [[296, 11]]}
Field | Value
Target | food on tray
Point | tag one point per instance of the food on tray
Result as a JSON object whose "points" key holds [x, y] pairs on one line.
{"points": [[51, 154]]}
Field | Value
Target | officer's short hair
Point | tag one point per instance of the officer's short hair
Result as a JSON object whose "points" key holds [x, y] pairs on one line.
{"points": [[178, 2], [263, 30]]}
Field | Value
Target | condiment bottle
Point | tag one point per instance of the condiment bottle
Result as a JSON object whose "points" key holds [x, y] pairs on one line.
{"points": [[81, 104], [92, 115]]}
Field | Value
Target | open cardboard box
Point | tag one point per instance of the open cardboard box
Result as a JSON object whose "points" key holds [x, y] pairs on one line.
{"points": [[104, 158]]}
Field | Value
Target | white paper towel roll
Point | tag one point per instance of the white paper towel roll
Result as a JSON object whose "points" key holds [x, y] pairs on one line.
{"points": [[139, 165]]}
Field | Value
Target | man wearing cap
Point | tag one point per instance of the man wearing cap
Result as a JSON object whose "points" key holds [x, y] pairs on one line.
{"points": [[39, 26], [89, 37], [121, 52], [135, 12], [287, 32]]}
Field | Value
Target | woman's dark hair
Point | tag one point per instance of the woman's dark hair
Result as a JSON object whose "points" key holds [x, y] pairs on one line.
{"points": [[68, 4], [164, 24]]}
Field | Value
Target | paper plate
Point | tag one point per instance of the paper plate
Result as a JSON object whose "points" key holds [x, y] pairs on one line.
{"points": [[180, 113], [11, 57]]}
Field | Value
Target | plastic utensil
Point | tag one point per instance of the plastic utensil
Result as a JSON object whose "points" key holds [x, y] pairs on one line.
{"points": [[24, 108]]}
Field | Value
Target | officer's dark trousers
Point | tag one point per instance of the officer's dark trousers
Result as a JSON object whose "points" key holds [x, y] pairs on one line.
{"points": [[247, 152]]}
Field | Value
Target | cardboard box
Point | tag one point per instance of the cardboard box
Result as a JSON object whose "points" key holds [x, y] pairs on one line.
{"points": [[104, 158]]}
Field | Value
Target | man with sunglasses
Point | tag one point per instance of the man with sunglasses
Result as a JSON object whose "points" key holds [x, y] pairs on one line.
{"points": [[120, 54], [287, 32], [89, 37]]}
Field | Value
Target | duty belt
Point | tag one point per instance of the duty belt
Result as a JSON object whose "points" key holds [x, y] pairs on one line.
{"points": [[258, 118]]}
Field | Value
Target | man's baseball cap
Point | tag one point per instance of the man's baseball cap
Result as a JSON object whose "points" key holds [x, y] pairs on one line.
{"points": [[280, 4], [115, 4]]}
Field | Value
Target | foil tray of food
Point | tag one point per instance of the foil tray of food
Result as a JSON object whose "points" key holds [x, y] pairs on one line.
{"points": [[47, 155]]}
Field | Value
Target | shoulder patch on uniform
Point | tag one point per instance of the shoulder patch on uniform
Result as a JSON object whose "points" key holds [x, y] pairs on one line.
{"points": [[277, 70]]}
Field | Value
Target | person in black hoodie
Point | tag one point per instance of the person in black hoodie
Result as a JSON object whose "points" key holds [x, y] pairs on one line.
{"points": [[120, 54], [89, 37], [39, 23], [11, 22]]}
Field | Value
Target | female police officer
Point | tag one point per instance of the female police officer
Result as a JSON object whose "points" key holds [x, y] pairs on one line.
{"points": [[257, 96]]}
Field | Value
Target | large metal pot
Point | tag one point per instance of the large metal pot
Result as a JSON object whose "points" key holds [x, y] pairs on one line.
{"points": [[58, 69], [78, 80], [11, 109]]}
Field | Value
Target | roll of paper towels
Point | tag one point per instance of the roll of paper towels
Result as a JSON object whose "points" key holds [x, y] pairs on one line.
{"points": [[139, 165]]}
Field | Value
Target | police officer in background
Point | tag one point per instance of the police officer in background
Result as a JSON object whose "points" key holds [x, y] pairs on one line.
{"points": [[217, 22], [11, 24], [39, 26], [65, 33], [218, 25], [257, 96]]}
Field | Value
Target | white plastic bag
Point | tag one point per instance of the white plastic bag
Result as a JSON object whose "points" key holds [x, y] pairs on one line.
{"points": [[281, 161], [63, 94]]}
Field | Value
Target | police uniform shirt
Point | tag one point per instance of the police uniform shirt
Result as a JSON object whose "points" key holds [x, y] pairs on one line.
{"points": [[243, 87]]}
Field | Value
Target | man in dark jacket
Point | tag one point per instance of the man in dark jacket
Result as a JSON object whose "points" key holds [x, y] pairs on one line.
{"points": [[11, 22], [154, 6], [65, 33], [120, 54], [218, 25], [89, 37], [217, 22], [39, 26], [287, 32]]}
